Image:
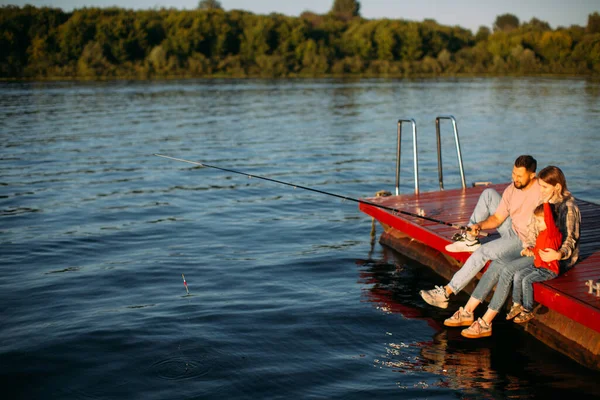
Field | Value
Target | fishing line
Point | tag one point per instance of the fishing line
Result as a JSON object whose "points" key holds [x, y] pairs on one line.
{"points": [[393, 210]]}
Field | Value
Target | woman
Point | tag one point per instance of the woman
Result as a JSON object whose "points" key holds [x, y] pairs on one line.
{"points": [[554, 190]]}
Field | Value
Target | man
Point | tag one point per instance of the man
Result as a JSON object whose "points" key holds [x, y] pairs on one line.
{"points": [[510, 214]]}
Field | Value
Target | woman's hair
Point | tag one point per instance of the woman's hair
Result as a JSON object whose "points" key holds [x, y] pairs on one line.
{"points": [[553, 175]]}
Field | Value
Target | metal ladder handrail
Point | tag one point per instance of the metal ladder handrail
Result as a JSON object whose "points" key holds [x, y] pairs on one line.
{"points": [[439, 150], [415, 162]]}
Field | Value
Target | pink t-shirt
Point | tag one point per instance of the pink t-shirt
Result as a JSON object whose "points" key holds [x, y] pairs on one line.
{"points": [[519, 205]]}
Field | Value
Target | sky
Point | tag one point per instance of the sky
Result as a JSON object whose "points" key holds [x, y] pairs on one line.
{"points": [[470, 14]]}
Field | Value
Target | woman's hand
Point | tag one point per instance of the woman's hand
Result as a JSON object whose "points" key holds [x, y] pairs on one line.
{"points": [[549, 255], [527, 252], [546, 197]]}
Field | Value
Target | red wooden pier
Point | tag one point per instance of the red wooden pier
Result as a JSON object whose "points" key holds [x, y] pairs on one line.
{"points": [[569, 319]]}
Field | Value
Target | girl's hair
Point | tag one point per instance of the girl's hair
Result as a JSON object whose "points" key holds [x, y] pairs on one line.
{"points": [[539, 211], [553, 175]]}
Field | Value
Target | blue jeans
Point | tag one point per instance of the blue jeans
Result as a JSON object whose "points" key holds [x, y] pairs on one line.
{"points": [[503, 274], [523, 284], [503, 250]]}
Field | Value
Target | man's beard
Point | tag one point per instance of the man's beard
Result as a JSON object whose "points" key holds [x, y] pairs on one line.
{"points": [[520, 185]]}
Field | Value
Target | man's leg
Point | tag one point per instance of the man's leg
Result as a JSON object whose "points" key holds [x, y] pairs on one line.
{"points": [[486, 206], [488, 202]]}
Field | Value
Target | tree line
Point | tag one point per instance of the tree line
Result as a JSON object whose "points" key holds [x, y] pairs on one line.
{"points": [[46, 43]]}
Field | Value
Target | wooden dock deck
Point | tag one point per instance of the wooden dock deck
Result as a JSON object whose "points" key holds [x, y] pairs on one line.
{"points": [[569, 319]]}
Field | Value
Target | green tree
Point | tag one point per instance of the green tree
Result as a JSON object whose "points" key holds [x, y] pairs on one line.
{"points": [[482, 34], [506, 22], [210, 5], [555, 46], [385, 41], [536, 24], [593, 25], [358, 40], [411, 42], [345, 9], [114, 42], [76, 32], [587, 54]]}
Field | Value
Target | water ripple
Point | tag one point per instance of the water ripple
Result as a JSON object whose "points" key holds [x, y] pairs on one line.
{"points": [[180, 368], [290, 295]]}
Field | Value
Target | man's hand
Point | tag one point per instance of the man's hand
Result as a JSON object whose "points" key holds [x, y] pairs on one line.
{"points": [[474, 229]]}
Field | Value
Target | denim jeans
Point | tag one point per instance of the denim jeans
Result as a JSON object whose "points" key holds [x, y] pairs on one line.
{"points": [[523, 284], [502, 251], [502, 274], [488, 202]]}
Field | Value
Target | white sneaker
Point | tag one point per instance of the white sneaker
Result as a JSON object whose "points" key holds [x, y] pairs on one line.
{"points": [[463, 243], [436, 297]]}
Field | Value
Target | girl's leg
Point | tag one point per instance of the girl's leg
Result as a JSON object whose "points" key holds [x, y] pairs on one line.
{"points": [[539, 275], [518, 281]]}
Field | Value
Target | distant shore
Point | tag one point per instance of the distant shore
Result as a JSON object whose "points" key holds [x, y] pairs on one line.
{"points": [[114, 43]]}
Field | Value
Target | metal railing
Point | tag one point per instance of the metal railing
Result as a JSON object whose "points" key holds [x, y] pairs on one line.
{"points": [[439, 150], [415, 159]]}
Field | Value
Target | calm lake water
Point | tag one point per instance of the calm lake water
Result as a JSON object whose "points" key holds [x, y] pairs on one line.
{"points": [[290, 296]]}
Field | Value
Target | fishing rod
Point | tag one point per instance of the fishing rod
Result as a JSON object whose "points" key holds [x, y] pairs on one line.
{"points": [[394, 210]]}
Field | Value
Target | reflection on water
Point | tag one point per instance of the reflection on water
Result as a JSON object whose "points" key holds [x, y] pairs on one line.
{"points": [[509, 364]]}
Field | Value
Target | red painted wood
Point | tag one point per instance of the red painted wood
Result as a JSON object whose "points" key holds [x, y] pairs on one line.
{"points": [[566, 294]]}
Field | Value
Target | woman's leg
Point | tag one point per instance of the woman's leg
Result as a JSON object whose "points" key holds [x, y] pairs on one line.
{"points": [[483, 326], [485, 285], [489, 316], [492, 276], [472, 304], [501, 294], [506, 280], [504, 250]]}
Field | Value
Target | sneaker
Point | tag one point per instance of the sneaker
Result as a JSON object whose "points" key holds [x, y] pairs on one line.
{"points": [[436, 297], [460, 318], [523, 317], [514, 311], [463, 243], [478, 329]]}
